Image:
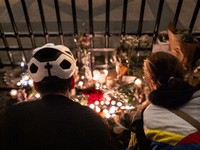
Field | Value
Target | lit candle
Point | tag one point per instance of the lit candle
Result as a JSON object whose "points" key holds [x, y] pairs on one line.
{"points": [[104, 86], [37, 95], [138, 82], [13, 93], [92, 106], [23, 66], [106, 72], [119, 104], [80, 84], [108, 98], [19, 84], [98, 109], [107, 115], [105, 111], [102, 77], [113, 102], [30, 82], [97, 85], [25, 83], [25, 77], [102, 102], [112, 109], [96, 102], [107, 102], [96, 74]]}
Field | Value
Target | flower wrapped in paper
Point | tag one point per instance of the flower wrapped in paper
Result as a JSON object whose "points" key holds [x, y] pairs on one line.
{"points": [[182, 45]]}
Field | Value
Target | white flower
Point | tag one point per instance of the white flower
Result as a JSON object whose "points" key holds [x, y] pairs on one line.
{"points": [[144, 38], [129, 43]]}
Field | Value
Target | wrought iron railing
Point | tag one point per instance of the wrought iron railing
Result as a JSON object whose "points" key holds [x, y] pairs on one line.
{"points": [[91, 34]]}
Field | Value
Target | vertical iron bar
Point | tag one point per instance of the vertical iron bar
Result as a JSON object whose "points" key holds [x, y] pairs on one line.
{"points": [[155, 34], [15, 31], [178, 9], [123, 29], [194, 17], [91, 32], [7, 47], [43, 21], [141, 17], [28, 23], [59, 21], [75, 29], [90, 17], [107, 21], [107, 29], [74, 17]]}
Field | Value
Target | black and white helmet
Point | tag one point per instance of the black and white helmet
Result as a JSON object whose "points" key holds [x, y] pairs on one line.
{"points": [[51, 60]]}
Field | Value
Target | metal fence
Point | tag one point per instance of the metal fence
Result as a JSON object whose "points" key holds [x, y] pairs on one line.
{"points": [[91, 34]]}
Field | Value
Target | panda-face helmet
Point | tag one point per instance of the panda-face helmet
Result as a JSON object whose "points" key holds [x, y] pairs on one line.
{"points": [[51, 61]]}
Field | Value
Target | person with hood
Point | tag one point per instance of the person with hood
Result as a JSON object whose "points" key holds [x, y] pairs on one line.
{"points": [[171, 121]]}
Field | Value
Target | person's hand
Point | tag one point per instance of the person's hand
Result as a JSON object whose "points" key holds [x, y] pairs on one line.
{"points": [[21, 95]]}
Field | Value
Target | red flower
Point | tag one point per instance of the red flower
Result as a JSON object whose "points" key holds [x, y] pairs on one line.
{"points": [[94, 95], [85, 41]]}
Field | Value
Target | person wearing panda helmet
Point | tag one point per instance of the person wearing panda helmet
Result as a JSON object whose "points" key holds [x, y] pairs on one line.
{"points": [[54, 121]]}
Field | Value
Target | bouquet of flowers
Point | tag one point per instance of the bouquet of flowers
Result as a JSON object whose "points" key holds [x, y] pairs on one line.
{"points": [[126, 55], [131, 43], [94, 95], [83, 43], [183, 45]]}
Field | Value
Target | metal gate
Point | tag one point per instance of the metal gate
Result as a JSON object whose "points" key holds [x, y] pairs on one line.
{"points": [[106, 35]]}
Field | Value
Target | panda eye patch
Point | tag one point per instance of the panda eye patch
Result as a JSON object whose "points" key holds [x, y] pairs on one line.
{"points": [[33, 68], [65, 64]]}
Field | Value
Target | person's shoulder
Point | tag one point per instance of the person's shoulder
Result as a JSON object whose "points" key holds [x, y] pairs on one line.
{"points": [[196, 95], [22, 105]]}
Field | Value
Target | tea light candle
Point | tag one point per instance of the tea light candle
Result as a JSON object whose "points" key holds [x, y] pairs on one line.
{"points": [[107, 102], [13, 93], [108, 98], [23, 66], [25, 77], [19, 84], [37, 95], [102, 102], [25, 84], [30, 82], [98, 109], [119, 104], [138, 82], [96, 102], [112, 109], [102, 77], [107, 115], [96, 74], [80, 84], [113, 102], [106, 72], [105, 111], [97, 85], [92, 106]]}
